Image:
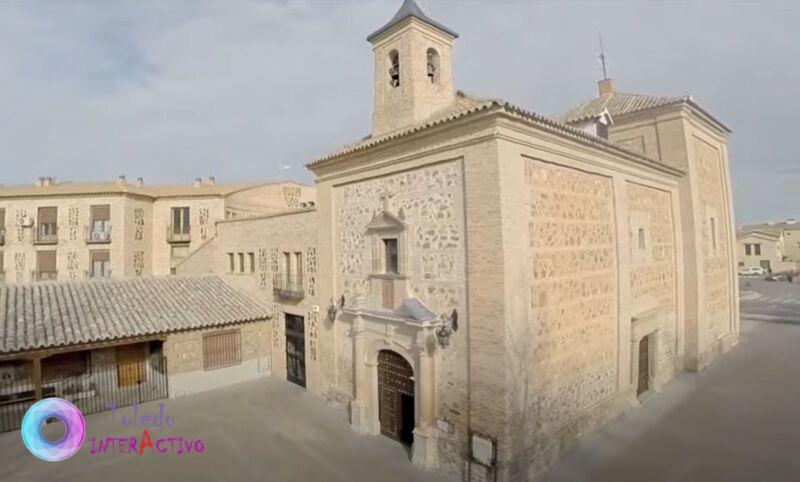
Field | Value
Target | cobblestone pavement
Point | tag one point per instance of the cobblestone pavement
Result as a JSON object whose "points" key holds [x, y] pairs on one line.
{"points": [[266, 430], [736, 421]]}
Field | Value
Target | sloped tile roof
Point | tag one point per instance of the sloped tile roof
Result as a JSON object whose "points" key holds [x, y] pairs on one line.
{"points": [[410, 8], [466, 106], [54, 314], [617, 103]]}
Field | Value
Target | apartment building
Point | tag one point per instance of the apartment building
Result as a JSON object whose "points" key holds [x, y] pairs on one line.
{"points": [[68, 230]]}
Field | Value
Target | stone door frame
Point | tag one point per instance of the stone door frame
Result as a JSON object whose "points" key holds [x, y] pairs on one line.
{"points": [[373, 332]]}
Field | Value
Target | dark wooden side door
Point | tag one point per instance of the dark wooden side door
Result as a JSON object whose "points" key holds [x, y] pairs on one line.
{"points": [[295, 350], [643, 384], [396, 397]]}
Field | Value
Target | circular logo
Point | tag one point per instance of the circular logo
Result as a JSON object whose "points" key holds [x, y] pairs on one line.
{"points": [[74, 429]]}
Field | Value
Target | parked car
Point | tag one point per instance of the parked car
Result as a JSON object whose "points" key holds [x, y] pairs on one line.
{"points": [[782, 276], [752, 271]]}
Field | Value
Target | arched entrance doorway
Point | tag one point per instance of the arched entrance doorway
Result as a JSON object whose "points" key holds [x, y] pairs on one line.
{"points": [[396, 397]]}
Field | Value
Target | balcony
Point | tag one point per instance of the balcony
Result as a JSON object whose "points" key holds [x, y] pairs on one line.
{"points": [[103, 274], [44, 275], [288, 287], [46, 234], [98, 235], [179, 235], [2, 236]]}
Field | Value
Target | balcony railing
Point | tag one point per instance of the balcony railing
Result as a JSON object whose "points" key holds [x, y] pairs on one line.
{"points": [[44, 275], [2, 236], [178, 235], [46, 236], [92, 275], [98, 235], [288, 287]]}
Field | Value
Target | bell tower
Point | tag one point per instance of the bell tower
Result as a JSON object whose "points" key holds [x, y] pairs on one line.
{"points": [[413, 70]]}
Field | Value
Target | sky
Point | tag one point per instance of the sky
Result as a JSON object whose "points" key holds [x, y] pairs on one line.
{"points": [[172, 90]]}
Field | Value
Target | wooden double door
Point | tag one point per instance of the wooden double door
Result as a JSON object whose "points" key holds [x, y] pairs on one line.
{"points": [[295, 349], [396, 397]]}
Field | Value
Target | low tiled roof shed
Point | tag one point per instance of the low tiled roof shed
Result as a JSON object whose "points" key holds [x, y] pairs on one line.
{"points": [[56, 314]]}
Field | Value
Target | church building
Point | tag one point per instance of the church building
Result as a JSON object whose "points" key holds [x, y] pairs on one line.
{"points": [[486, 284]]}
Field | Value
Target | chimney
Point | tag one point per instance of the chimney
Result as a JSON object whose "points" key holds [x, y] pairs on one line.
{"points": [[47, 181], [121, 179], [212, 181], [40, 182], [198, 181], [605, 86], [139, 181]]}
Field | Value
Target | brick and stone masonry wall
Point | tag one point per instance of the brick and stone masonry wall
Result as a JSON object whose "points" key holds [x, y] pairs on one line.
{"points": [[430, 200]]}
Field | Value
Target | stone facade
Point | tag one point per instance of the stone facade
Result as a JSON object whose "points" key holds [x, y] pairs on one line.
{"points": [[266, 238]]}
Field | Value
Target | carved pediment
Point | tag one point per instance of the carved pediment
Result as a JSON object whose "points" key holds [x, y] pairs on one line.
{"points": [[386, 221]]}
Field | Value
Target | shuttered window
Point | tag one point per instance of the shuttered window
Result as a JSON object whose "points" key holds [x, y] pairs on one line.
{"points": [[2, 218], [48, 215], [101, 212], [222, 349], [101, 263], [46, 261]]}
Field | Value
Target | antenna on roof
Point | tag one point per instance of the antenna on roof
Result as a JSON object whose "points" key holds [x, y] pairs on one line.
{"points": [[602, 57]]}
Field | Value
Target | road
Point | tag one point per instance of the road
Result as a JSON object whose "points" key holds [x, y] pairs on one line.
{"points": [[770, 300]]}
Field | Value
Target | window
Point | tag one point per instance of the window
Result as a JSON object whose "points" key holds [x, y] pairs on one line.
{"points": [[252, 259], [287, 265], [180, 221], [2, 226], [433, 66], [642, 242], [394, 69], [101, 222], [71, 364], [748, 249], [298, 268], [390, 250], [101, 265], [231, 263], [241, 262], [48, 224], [46, 265], [222, 349], [602, 130], [757, 249]]}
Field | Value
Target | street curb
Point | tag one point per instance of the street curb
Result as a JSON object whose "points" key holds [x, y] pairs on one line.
{"points": [[770, 319]]}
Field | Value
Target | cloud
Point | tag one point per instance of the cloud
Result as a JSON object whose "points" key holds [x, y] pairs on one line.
{"points": [[175, 90]]}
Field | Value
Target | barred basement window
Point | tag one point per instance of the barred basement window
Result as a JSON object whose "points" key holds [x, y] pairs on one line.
{"points": [[222, 349]]}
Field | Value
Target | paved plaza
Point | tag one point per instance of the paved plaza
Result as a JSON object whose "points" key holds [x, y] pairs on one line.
{"points": [[736, 421]]}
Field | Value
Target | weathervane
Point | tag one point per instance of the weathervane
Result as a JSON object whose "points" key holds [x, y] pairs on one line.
{"points": [[602, 57]]}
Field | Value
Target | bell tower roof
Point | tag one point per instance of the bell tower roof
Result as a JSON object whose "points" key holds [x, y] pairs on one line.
{"points": [[410, 8]]}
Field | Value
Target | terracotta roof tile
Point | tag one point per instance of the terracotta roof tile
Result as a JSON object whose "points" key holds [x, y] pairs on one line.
{"points": [[52, 313]]}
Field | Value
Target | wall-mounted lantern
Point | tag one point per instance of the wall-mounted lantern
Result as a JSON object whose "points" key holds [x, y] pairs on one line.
{"points": [[335, 308], [448, 326]]}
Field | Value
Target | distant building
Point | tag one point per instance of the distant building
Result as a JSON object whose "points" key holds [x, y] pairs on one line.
{"points": [[773, 246], [70, 231]]}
